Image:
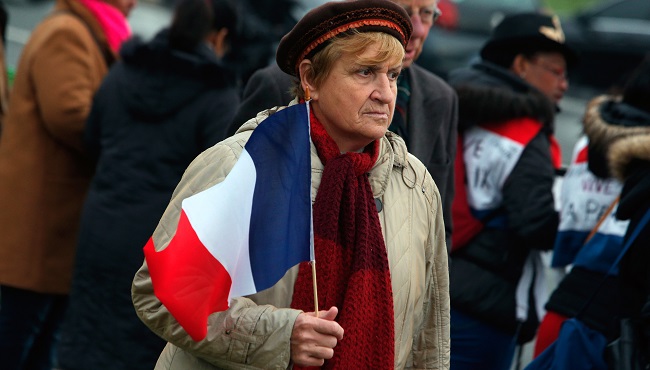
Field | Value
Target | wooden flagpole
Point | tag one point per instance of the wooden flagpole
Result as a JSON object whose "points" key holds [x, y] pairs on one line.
{"points": [[312, 252], [313, 275]]}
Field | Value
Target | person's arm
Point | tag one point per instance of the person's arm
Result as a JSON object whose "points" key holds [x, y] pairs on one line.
{"points": [[528, 196], [431, 342], [92, 132], [257, 335], [262, 336], [62, 73], [244, 334], [452, 146]]}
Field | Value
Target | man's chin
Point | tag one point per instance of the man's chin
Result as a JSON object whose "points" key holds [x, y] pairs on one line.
{"points": [[407, 62]]}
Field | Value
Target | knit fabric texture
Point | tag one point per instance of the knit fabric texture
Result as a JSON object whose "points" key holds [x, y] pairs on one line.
{"points": [[352, 263], [320, 25]]}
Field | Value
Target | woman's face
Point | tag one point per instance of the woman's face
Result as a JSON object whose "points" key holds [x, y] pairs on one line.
{"points": [[124, 6], [547, 72], [355, 103]]}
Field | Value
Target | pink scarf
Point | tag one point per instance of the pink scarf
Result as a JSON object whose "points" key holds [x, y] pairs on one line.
{"points": [[113, 22]]}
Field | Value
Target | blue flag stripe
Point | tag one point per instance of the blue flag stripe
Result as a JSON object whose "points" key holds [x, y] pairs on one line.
{"points": [[281, 211]]}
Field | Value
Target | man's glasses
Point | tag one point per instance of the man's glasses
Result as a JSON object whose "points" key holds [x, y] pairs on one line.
{"points": [[428, 15], [559, 73]]}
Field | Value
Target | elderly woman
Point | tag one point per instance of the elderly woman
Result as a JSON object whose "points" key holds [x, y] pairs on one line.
{"points": [[376, 208]]}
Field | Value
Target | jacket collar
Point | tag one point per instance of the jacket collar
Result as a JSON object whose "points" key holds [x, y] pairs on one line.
{"points": [[79, 10], [489, 94]]}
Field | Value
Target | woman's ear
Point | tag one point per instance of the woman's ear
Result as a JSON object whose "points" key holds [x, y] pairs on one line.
{"points": [[306, 71], [219, 42]]}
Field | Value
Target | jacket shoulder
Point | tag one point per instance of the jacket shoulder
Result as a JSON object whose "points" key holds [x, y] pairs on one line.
{"points": [[414, 173], [63, 22], [433, 81], [60, 29]]}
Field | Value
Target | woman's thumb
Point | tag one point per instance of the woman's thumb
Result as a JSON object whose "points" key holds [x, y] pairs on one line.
{"points": [[329, 314]]}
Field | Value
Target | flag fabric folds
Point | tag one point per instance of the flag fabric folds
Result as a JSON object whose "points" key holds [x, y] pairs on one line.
{"points": [[240, 236]]}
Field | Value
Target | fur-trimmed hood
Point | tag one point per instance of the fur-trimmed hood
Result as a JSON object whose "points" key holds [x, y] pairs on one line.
{"points": [[488, 94], [620, 131]]}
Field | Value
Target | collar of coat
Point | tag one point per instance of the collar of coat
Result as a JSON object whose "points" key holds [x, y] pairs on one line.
{"points": [[392, 154], [77, 9], [490, 94], [620, 130]]}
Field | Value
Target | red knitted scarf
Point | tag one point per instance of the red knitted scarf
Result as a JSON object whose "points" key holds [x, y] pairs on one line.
{"points": [[352, 263]]}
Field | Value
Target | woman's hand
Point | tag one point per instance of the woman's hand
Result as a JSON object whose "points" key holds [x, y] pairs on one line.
{"points": [[313, 338]]}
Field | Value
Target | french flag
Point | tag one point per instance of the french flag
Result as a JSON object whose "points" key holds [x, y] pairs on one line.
{"points": [[240, 236]]}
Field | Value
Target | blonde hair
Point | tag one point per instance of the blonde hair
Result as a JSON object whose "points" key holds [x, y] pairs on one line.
{"points": [[390, 49]]}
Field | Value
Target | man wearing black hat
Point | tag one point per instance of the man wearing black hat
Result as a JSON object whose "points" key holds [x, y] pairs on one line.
{"points": [[504, 211], [425, 114]]}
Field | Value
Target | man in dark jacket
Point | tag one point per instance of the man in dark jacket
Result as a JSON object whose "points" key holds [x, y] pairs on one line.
{"points": [[507, 103], [426, 110]]}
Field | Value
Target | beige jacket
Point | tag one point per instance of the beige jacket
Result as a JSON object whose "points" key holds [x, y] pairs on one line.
{"points": [[254, 332]]}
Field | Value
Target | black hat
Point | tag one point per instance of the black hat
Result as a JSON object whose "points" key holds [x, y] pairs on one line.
{"points": [[323, 23], [527, 32]]}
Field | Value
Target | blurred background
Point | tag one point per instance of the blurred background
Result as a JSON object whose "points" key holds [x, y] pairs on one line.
{"points": [[611, 36]]}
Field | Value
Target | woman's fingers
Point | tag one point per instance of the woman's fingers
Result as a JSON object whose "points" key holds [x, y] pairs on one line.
{"points": [[313, 338]]}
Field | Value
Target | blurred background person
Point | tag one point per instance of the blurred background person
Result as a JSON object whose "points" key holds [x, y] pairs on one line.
{"points": [[589, 192], [590, 236], [164, 103], [504, 208], [262, 28], [266, 88], [630, 159], [390, 301], [426, 106], [45, 171], [4, 75]]}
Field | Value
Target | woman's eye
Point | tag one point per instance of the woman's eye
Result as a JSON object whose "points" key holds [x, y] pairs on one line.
{"points": [[393, 75], [365, 72]]}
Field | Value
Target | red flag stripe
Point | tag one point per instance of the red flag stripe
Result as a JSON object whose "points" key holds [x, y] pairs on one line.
{"points": [[188, 280]]}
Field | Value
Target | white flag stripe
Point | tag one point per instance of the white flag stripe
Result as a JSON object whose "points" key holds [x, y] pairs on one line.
{"points": [[224, 232]]}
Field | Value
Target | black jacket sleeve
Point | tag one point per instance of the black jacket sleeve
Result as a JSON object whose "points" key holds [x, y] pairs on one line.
{"points": [[528, 195]]}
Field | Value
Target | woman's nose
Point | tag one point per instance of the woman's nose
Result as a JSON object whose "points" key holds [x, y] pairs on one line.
{"points": [[383, 91]]}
